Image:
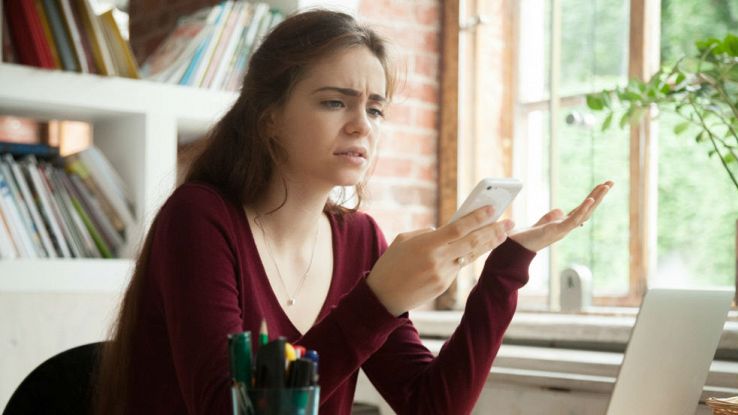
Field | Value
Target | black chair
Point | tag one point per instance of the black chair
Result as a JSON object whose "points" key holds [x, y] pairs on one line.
{"points": [[60, 385]]}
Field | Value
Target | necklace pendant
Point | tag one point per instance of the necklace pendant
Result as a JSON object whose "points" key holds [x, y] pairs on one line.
{"points": [[291, 301]]}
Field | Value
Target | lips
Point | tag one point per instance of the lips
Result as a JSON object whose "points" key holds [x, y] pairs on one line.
{"points": [[352, 152]]}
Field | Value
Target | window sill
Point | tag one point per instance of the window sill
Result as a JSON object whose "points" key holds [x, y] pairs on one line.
{"points": [[604, 329]]}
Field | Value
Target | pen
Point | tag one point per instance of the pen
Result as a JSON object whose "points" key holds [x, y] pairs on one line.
{"points": [[263, 335]]}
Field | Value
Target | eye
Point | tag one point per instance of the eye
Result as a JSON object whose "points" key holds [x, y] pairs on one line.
{"points": [[332, 104], [375, 112]]}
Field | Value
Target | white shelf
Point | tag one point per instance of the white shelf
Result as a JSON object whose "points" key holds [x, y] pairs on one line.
{"points": [[65, 275], [46, 93]]}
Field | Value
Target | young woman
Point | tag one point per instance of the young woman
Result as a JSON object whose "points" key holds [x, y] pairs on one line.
{"points": [[253, 234]]}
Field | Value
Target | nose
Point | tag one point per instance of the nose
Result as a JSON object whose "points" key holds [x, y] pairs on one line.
{"points": [[358, 124]]}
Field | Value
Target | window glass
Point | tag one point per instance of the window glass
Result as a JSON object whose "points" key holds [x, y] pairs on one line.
{"points": [[697, 202]]}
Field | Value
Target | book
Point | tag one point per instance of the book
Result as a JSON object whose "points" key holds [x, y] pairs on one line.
{"points": [[211, 24], [20, 149], [8, 49], [110, 182], [207, 56], [23, 209], [84, 36], [68, 136], [47, 32], [230, 54], [74, 34], [120, 50], [178, 48], [7, 246], [60, 215], [43, 197], [14, 222], [19, 130], [94, 30], [227, 37], [27, 34], [25, 190], [261, 14], [97, 199], [103, 249], [61, 38], [77, 226], [102, 222]]}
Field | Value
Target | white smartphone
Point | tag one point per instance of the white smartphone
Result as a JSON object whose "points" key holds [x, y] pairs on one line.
{"points": [[490, 191]]}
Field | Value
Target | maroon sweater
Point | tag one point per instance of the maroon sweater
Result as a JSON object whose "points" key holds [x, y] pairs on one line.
{"points": [[205, 279]]}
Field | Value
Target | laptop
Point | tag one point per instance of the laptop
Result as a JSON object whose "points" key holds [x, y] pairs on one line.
{"points": [[669, 353]]}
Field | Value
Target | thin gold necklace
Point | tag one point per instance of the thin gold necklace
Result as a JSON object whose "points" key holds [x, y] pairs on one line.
{"points": [[291, 299]]}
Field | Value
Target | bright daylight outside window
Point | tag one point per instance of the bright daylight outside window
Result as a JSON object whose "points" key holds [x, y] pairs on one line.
{"points": [[695, 208]]}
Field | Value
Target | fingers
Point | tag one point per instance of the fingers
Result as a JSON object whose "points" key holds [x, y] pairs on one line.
{"points": [[584, 211], [598, 195], [478, 242], [466, 225]]}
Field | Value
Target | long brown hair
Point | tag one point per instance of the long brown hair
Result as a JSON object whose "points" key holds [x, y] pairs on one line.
{"points": [[239, 158]]}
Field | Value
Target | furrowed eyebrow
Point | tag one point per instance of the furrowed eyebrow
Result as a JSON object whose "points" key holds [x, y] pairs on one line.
{"points": [[350, 92]]}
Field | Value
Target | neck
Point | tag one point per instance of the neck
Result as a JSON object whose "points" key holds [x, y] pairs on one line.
{"points": [[294, 223]]}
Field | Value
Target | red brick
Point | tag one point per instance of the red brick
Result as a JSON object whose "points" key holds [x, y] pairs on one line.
{"points": [[423, 220], [421, 91], [426, 65], [429, 15], [426, 118], [426, 172], [414, 195], [404, 142], [392, 167], [386, 9], [400, 113]]}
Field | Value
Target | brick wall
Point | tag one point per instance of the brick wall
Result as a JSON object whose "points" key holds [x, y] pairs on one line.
{"points": [[403, 193]]}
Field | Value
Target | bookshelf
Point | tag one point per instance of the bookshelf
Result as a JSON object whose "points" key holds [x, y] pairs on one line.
{"points": [[50, 305]]}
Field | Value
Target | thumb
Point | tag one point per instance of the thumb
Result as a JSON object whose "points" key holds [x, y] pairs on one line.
{"points": [[410, 235]]}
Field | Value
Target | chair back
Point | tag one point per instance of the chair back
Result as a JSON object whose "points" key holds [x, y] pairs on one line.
{"points": [[60, 385]]}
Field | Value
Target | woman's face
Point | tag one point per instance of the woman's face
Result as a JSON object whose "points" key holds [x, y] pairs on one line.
{"points": [[329, 125]]}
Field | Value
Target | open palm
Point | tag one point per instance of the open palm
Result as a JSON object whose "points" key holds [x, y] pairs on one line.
{"points": [[554, 226]]}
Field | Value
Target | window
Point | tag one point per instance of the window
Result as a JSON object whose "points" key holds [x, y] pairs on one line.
{"points": [[671, 218]]}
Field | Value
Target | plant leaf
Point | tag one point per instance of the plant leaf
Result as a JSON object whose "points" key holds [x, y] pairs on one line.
{"points": [[607, 122], [700, 137], [594, 102], [681, 127], [729, 158]]}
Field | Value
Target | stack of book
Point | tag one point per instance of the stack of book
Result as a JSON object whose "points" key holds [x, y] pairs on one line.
{"points": [[65, 34], [211, 48], [59, 207]]}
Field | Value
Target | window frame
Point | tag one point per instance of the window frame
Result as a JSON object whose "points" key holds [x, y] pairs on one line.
{"points": [[644, 56]]}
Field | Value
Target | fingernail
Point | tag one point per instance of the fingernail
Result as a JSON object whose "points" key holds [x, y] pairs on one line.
{"points": [[490, 210]]}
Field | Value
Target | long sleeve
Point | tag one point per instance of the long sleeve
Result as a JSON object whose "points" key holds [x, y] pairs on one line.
{"points": [[193, 261], [414, 382]]}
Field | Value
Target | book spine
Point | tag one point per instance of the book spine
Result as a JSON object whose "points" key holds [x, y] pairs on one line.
{"points": [[47, 33], [48, 214], [63, 43], [87, 245], [102, 247], [25, 190], [103, 223], [215, 13], [74, 35], [59, 213], [23, 209], [219, 54], [7, 246], [97, 38], [15, 224], [25, 149]]}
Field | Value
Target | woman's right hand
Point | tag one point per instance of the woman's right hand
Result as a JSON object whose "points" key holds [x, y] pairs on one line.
{"points": [[418, 266]]}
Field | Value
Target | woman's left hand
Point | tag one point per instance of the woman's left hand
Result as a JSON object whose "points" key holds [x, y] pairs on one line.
{"points": [[554, 226]]}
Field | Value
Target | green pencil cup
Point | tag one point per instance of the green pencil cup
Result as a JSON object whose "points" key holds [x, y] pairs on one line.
{"points": [[287, 401]]}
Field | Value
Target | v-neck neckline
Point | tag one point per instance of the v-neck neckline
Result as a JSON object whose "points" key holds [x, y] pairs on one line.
{"points": [[273, 299]]}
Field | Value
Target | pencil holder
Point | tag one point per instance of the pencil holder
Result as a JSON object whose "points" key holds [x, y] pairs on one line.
{"points": [[286, 401]]}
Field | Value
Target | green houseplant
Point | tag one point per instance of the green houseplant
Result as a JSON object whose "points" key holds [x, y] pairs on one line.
{"points": [[701, 89]]}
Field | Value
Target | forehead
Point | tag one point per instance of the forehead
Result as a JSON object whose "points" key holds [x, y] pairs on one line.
{"points": [[356, 68]]}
